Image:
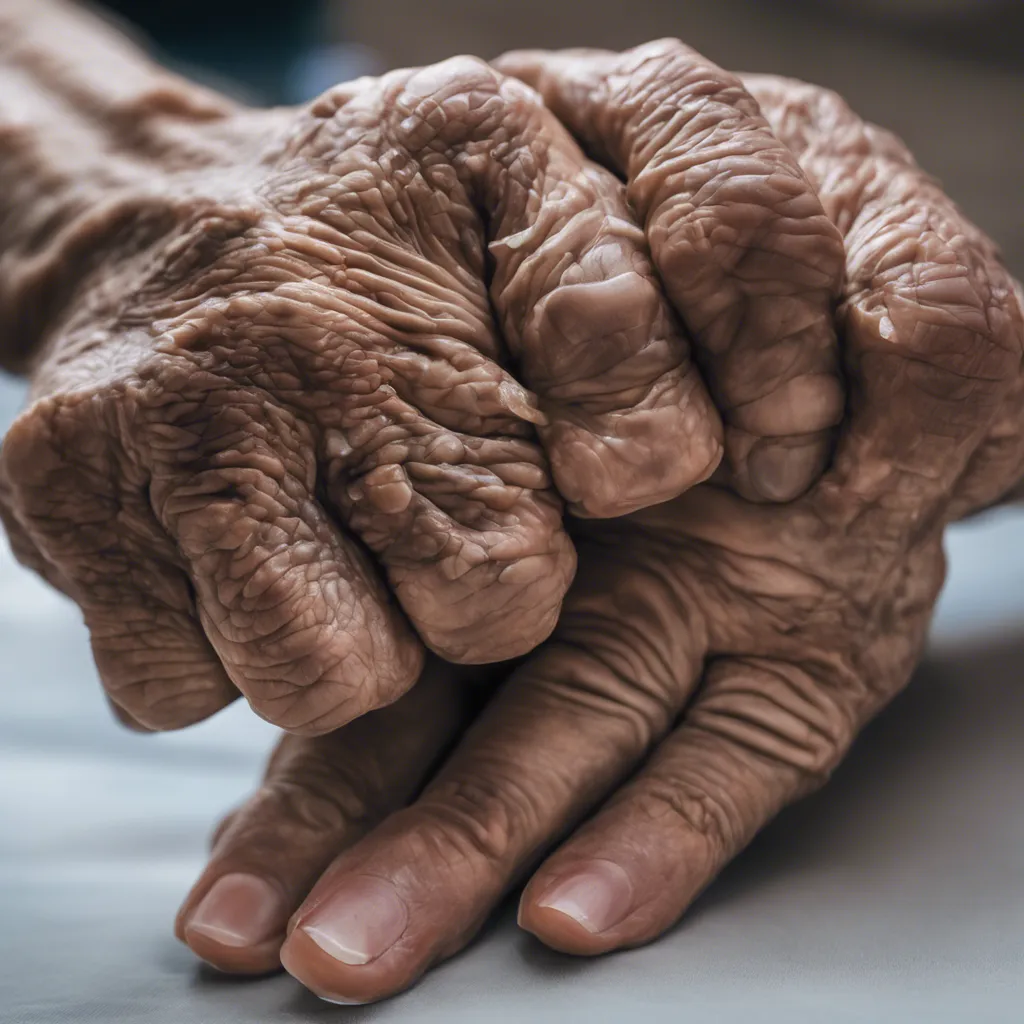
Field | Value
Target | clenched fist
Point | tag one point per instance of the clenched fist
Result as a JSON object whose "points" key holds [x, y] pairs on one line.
{"points": [[719, 654], [281, 357]]}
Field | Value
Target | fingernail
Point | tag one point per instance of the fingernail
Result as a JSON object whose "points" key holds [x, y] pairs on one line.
{"points": [[240, 910], [359, 922], [783, 473], [598, 897]]}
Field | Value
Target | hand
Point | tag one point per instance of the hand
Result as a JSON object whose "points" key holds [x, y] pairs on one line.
{"points": [[297, 341], [719, 654]]}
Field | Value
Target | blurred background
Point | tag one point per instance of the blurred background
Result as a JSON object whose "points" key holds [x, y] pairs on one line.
{"points": [[897, 894]]}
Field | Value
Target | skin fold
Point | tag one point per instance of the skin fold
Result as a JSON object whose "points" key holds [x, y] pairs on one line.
{"points": [[715, 656], [310, 386]]}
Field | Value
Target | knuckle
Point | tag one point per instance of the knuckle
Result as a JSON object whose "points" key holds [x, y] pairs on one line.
{"points": [[922, 293], [449, 103], [333, 101], [715, 184], [325, 799], [464, 72], [800, 113], [666, 46], [477, 820], [667, 84], [300, 809], [633, 668], [610, 679], [780, 713], [670, 64], [696, 804], [306, 811]]}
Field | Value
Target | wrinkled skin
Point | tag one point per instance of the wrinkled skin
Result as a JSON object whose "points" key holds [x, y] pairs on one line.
{"points": [[718, 653], [303, 343]]}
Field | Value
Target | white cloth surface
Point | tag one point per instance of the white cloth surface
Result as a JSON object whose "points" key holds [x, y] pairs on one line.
{"points": [[897, 894]]}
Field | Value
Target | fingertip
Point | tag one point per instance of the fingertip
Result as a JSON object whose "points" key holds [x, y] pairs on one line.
{"points": [[176, 709], [498, 610], [237, 925], [348, 690], [309, 965], [125, 719], [514, 630], [780, 470], [338, 950], [248, 960], [648, 457], [578, 913], [630, 421], [558, 931]]}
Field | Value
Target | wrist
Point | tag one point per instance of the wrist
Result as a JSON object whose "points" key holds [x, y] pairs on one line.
{"points": [[90, 134], [60, 251]]}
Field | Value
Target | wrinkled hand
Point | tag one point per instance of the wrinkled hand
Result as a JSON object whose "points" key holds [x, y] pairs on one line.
{"points": [[730, 651], [301, 338]]}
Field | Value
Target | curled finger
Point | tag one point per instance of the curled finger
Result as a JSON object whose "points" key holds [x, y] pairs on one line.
{"points": [[748, 256]]}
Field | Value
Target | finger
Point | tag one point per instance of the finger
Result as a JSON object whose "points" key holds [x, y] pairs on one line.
{"points": [[84, 523], [995, 473], [472, 544], [759, 735], [627, 420], [294, 610], [933, 328], [742, 244], [125, 718], [318, 797], [566, 726], [469, 534], [25, 550], [29, 555], [465, 525]]}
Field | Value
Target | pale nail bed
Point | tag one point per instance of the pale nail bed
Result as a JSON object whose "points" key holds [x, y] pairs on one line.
{"points": [[359, 922], [597, 897], [239, 910]]}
